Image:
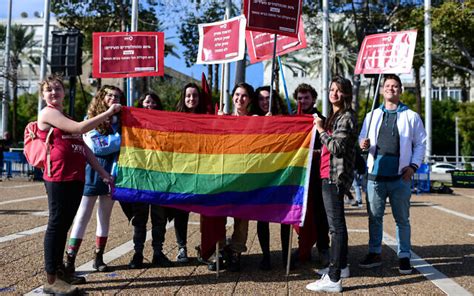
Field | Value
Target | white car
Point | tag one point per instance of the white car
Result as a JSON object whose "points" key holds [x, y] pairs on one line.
{"points": [[442, 168]]}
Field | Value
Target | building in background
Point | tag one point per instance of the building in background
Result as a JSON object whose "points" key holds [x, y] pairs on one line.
{"points": [[28, 77]]}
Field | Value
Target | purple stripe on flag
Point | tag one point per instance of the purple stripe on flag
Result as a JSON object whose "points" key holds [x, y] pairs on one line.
{"points": [[283, 205]]}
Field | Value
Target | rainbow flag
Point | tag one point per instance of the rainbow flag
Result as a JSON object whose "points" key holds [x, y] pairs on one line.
{"points": [[250, 167]]}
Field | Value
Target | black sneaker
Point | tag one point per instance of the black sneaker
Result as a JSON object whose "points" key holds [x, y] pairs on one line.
{"points": [[136, 262], [371, 260], [234, 262], [404, 266], [160, 260]]}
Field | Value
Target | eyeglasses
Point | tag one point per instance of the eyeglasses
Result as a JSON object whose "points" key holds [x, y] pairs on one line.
{"points": [[113, 95]]}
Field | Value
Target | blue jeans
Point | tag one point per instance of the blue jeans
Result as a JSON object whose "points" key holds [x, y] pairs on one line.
{"points": [[333, 198], [356, 184], [399, 194]]}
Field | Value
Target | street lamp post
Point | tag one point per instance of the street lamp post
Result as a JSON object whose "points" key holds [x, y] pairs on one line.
{"points": [[44, 48], [6, 89]]}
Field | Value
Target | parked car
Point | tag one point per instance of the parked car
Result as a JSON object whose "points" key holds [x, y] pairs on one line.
{"points": [[442, 167]]}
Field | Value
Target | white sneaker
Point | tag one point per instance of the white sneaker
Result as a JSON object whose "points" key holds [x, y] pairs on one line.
{"points": [[345, 272], [325, 284]]}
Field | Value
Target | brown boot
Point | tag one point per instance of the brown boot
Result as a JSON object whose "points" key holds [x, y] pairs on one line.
{"points": [[60, 287]]}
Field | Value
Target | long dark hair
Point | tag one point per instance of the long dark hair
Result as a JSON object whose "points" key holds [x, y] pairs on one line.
{"points": [[345, 86], [249, 89], [181, 106], [278, 106], [154, 97]]}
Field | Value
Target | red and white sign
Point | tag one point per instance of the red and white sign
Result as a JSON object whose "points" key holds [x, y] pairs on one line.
{"points": [[127, 54], [387, 53], [273, 16], [222, 42], [260, 44]]}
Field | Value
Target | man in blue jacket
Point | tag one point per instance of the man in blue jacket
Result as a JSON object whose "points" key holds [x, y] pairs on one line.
{"points": [[396, 143]]}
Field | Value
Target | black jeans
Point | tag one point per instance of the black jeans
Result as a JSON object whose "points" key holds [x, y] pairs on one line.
{"points": [[158, 226], [333, 198], [181, 219], [63, 201], [263, 232], [320, 218]]}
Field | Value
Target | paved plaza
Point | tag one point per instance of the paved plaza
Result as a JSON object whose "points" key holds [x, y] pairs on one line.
{"points": [[442, 238]]}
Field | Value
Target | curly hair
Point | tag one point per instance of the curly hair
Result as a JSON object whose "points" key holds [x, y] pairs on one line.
{"points": [[154, 97], [98, 106], [181, 106], [278, 106], [48, 80], [303, 88]]}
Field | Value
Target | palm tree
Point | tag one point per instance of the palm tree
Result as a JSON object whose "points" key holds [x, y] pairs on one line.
{"points": [[293, 62], [21, 54], [343, 50]]}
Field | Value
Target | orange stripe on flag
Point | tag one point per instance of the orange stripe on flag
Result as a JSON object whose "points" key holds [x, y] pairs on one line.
{"points": [[213, 144]]}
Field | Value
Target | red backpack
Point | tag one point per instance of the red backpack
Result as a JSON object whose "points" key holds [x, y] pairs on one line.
{"points": [[36, 151]]}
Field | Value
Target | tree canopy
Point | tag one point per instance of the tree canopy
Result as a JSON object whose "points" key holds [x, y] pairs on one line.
{"points": [[107, 16]]}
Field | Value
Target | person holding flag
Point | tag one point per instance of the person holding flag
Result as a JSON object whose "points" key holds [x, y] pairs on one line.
{"points": [[315, 229], [104, 141], [191, 101], [142, 210], [242, 96], [338, 136], [261, 107]]}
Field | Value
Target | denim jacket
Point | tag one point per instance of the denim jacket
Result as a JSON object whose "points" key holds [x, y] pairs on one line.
{"points": [[106, 149], [341, 145]]}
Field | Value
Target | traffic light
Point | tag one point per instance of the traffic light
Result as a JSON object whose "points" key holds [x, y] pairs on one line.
{"points": [[66, 53]]}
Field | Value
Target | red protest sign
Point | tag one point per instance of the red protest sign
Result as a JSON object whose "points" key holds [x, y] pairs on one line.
{"points": [[127, 54], [221, 42], [276, 16], [387, 53], [260, 44]]}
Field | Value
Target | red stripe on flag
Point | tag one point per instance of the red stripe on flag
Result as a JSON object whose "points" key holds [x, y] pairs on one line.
{"points": [[212, 124]]}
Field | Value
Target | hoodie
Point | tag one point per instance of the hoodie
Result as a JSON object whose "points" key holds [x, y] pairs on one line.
{"points": [[411, 139]]}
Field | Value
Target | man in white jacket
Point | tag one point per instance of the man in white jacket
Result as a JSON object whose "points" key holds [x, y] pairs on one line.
{"points": [[396, 141]]}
